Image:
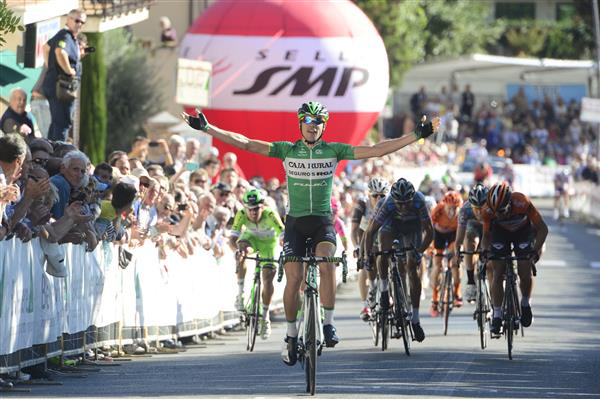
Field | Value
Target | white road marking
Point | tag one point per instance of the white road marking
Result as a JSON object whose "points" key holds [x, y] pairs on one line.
{"points": [[552, 263], [595, 265]]}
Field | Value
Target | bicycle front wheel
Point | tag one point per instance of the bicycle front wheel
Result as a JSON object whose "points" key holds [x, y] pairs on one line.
{"points": [[447, 299], [310, 360], [252, 330], [509, 317], [482, 307], [401, 312]]}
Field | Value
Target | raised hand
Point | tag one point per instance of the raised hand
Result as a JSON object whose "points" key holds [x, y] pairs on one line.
{"points": [[196, 122]]}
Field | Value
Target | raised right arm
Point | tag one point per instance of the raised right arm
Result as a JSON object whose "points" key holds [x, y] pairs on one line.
{"points": [[235, 139], [239, 140]]}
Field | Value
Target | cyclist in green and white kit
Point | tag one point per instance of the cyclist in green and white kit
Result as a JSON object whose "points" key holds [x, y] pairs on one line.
{"points": [[261, 227], [310, 165]]}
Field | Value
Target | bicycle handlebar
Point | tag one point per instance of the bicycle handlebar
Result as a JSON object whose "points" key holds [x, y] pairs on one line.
{"points": [[517, 258], [316, 259], [256, 258]]}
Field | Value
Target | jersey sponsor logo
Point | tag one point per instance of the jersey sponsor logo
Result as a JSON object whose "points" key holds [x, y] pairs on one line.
{"points": [[310, 168], [322, 183]]}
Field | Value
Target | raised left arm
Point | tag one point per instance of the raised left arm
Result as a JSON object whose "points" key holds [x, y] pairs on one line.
{"points": [[389, 146]]}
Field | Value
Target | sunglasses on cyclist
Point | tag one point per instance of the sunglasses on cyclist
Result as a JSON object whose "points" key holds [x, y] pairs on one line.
{"points": [[378, 195], [308, 119], [40, 161]]}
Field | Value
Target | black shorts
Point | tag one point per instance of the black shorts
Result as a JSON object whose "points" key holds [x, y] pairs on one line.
{"points": [[504, 241], [409, 234], [443, 240], [297, 230]]}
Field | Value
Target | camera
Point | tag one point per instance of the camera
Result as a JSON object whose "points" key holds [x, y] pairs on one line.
{"points": [[153, 144], [182, 207], [88, 50]]}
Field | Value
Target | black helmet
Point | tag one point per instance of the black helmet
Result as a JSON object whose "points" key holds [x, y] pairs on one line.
{"points": [[402, 190]]}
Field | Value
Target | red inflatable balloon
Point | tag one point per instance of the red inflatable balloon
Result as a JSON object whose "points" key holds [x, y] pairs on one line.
{"points": [[271, 56]]}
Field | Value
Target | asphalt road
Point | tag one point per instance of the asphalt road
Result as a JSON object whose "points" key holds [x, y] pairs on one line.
{"points": [[559, 357]]}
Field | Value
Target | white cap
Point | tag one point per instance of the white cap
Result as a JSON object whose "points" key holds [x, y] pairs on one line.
{"points": [[129, 179]]}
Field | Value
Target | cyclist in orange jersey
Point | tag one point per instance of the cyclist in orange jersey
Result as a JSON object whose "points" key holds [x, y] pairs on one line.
{"points": [[445, 222], [510, 219]]}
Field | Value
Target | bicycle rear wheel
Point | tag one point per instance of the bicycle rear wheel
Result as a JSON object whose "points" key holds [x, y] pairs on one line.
{"points": [[374, 324], [254, 316], [447, 299], [310, 359], [384, 328]]}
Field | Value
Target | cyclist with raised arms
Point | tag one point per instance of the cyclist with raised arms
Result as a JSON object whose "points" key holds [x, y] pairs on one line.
{"points": [[262, 228], [445, 222], [310, 165], [361, 215], [469, 231], [511, 219], [402, 215]]}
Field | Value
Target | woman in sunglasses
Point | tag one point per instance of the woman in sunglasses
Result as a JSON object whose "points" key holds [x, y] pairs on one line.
{"points": [[310, 164]]}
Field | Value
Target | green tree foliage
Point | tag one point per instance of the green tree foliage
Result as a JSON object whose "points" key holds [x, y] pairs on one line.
{"points": [[416, 30], [401, 27], [93, 101], [9, 23], [571, 38], [132, 89]]}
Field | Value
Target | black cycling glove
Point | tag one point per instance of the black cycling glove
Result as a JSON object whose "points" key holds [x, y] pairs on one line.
{"points": [[423, 129], [198, 122]]}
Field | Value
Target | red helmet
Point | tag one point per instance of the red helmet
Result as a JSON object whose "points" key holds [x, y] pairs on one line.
{"points": [[452, 198], [498, 197]]}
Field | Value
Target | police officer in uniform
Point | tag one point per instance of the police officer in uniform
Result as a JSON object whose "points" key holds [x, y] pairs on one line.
{"points": [[63, 59]]}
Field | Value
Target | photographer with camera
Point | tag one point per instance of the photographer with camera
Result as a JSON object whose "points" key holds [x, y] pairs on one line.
{"points": [[64, 71]]}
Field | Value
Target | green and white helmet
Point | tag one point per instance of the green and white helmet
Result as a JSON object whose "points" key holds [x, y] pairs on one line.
{"points": [[253, 198], [314, 108]]}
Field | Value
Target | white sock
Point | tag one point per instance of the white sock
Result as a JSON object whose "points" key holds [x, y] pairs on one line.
{"points": [[265, 314], [384, 285], [328, 316], [292, 329], [415, 318], [525, 301], [241, 286], [497, 312]]}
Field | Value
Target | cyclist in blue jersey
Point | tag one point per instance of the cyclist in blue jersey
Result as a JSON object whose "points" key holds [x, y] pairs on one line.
{"points": [[402, 215]]}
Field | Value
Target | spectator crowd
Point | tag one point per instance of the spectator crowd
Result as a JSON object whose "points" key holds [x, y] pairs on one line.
{"points": [[526, 131]]}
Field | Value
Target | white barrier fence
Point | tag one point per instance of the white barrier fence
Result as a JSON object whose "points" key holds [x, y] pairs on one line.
{"points": [[531, 180], [586, 201], [99, 303]]}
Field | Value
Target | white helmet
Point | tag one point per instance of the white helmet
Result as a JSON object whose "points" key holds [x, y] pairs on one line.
{"points": [[377, 185]]}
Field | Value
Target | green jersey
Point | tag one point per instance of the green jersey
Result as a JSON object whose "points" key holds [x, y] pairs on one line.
{"points": [[309, 173], [268, 228]]}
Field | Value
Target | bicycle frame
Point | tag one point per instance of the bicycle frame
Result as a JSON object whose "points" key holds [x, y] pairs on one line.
{"points": [[511, 310], [251, 313], [310, 341]]}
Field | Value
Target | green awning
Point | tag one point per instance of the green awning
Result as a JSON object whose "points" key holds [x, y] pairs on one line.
{"points": [[14, 75]]}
